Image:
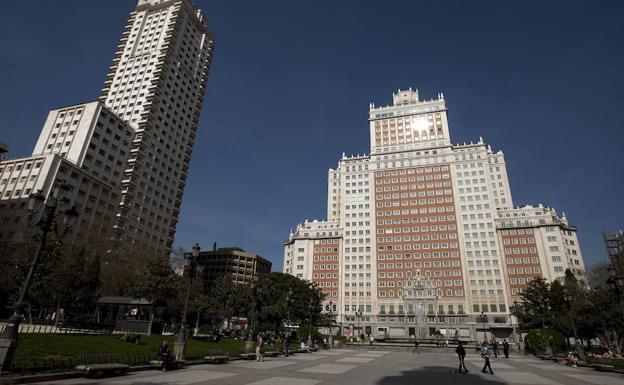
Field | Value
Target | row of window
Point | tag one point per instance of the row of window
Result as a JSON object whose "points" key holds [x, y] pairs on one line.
{"points": [[418, 246], [444, 254], [422, 210]]}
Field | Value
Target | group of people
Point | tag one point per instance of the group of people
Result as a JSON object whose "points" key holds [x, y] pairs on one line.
{"points": [[485, 354]]}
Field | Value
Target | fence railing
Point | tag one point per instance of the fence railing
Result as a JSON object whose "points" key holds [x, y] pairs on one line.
{"points": [[66, 364], [66, 328]]}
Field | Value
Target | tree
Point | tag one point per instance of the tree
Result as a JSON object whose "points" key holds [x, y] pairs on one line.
{"points": [[598, 274], [273, 308], [223, 299], [9, 273], [157, 282], [532, 310]]}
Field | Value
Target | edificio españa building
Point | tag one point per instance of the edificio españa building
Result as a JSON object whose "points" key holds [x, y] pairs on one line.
{"points": [[125, 156], [422, 237]]}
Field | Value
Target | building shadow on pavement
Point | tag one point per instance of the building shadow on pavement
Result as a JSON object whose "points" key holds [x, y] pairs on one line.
{"points": [[439, 375]]}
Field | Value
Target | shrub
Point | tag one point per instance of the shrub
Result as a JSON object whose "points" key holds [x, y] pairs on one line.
{"points": [[536, 341]]}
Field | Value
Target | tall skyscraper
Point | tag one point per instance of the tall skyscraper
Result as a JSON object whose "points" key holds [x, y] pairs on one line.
{"points": [[136, 142], [422, 236], [156, 84]]}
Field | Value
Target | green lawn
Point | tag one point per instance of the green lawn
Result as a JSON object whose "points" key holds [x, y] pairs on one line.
{"points": [[71, 348], [618, 363]]}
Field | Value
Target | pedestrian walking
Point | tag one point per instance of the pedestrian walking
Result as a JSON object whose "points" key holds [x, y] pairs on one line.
{"points": [[495, 347], [259, 357], [286, 344], [416, 346], [461, 353], [486, 356], [506, 348]]}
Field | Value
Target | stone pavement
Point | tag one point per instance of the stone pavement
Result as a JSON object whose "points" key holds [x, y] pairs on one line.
{"points": [[362, 367]]}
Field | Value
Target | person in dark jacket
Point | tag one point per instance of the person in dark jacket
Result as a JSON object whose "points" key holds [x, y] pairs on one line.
{"points": [[506, 348], [495, 347], [461, 353]]}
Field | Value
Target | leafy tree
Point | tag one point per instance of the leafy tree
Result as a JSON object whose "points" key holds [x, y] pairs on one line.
{"points": [[536, 340], [274, 309], [598, 275], [156, 281], [532, 311]]}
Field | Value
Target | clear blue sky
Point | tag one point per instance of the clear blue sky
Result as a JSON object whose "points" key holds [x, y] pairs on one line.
{"points": [[292, 80]]}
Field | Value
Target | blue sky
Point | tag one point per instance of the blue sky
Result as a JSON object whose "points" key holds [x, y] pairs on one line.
{"points": [[291, 83]]}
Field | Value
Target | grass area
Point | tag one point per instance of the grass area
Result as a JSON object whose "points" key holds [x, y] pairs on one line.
{"points": [[618, 363], [63, 347]]}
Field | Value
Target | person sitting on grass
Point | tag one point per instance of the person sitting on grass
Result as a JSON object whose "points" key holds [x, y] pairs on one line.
{"points": [[164, 355], [573, 359]]}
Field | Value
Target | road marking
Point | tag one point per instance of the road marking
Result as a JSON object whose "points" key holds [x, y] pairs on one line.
{"points": [[286, 381], [525, 378], [597, 379], [329, 369], [305, 357], [355, 360], [176, 377], [369, 355], [264, 365]]}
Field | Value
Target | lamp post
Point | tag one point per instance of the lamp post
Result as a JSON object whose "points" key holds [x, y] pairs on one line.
{"points": [[46, 210], [331, 322], [569, 303], [310, 307], [190, 267], [287, 326], [516, 307], [483, 320], [545, 306], [358, 317], [617, 284], [254, 290]]}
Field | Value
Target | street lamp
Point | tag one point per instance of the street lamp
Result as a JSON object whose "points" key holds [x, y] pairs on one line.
{"points": [[331, 322], [516, 307], [358, 318], [287, 328], [310, 307], [483, 320], [569, 302], [190, 267], [46, 210], [545, 306], [254, 289]]}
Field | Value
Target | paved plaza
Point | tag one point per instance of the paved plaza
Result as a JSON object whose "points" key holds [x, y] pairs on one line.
{"points": [[363, 367]]}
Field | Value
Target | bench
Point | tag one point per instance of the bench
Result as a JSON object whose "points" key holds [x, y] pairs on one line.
{"points": [[175, 364], [216, 359], [101, 370], [248, 356], [272, 353]]}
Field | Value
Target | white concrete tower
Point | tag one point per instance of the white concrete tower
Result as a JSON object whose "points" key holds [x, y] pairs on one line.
{"points": [[156, 83]]}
